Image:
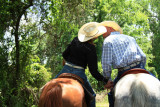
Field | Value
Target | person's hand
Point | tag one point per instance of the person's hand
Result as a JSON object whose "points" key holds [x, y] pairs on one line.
{"points": [[109, 85]]}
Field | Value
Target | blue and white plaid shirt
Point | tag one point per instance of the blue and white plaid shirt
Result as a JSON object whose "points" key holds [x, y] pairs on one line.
{"points": [[120, 50]]}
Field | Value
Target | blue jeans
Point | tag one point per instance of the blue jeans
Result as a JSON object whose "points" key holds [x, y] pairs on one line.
{"points": [[80, 73], [110, 94]]}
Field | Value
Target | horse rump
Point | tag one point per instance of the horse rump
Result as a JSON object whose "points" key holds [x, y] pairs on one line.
{"points": [[137, 90], [51, 97]]}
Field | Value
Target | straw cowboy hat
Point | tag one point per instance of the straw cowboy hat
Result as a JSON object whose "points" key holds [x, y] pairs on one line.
{"points": [[90, 30], [112, 24]]}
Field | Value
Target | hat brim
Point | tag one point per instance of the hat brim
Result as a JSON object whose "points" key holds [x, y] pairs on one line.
{"points": [[83, 38], [112, 24]]}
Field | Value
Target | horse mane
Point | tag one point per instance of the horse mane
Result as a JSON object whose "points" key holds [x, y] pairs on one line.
{"points": [[51, 97]]}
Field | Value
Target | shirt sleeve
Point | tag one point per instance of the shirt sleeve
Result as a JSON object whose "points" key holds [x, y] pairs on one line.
{"points": [[107, 59], [93, 67]]}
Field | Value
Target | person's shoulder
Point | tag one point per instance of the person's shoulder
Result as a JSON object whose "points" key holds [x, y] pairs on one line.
{"points": [[75, 41], [84, 45], [110, 38], [114, 38], [128, 36], [122, 36], [89, 47]]}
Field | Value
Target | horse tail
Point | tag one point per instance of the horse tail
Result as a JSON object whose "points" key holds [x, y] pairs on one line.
{"points": [[139, 94], [137, 90], [145, 91], [51, 95]]}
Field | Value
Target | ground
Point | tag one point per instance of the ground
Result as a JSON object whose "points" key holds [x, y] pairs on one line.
{"points": [[102, 99]]}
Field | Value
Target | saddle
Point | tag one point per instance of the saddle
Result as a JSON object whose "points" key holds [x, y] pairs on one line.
{"points": [[73, 76], [134, 71], [88, 96]]}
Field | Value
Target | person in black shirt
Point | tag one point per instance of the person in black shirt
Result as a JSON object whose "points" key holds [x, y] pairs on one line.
{"points": [[81, 52]]}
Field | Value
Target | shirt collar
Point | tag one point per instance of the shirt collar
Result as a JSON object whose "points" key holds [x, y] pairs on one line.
{"points": [[113, 33]]}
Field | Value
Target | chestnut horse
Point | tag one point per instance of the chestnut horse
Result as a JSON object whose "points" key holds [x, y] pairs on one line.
{"points": [[137, 90], [62, 92]]}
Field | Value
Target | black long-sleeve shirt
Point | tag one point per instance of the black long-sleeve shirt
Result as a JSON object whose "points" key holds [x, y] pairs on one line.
{"points": [[83, 54]]}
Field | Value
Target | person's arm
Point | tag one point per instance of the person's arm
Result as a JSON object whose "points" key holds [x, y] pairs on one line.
{"points": [[93, 67], [107, 64], [107, 60]]}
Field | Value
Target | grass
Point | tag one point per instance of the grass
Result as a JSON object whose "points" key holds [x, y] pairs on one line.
{"points": [[102, 104], [102, 99]]}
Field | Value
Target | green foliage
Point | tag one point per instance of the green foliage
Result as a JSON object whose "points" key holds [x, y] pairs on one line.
{"points": [[35, 77], [61, 27], [42, 39], [38, 75], [154, 27]]}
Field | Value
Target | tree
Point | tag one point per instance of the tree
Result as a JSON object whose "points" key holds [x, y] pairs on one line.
{"points": [[13, 10], [155, 29], [11, 46], [61, 25], [30, 45]]}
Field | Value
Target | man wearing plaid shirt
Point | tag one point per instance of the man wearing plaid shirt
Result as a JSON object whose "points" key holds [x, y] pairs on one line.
{"points": [[120, 52]]}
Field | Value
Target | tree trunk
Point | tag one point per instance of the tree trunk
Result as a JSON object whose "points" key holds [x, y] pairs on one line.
{"points": [[17, 73]]}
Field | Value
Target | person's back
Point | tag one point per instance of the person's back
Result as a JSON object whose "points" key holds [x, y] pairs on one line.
{"points": [[77, 52], [125, 50]]}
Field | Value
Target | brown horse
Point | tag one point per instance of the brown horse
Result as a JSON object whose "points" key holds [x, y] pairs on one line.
{"points": [[137, 90], [62, 92]]}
